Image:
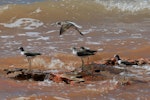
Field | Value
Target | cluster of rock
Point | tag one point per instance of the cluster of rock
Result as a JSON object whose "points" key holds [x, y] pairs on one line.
{"points": [[96, 71]]}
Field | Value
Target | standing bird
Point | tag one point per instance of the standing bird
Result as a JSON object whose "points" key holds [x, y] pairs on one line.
{"points": [[81, 54], [88, 50], [65, 25], [29, 55], [121, 62]]}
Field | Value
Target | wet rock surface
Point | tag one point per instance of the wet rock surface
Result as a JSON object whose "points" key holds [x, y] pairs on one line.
{"points": [[90, 72], [96, 71], [98, 77]]}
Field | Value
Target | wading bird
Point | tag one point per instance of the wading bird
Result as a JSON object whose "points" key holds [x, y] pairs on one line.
{"points": [[123, 63], [81, 54], [29, 55], [88, 50]]}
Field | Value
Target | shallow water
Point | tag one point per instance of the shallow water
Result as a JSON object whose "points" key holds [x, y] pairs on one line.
{"points": [[106, 90], [102, 24], [113, 26]]}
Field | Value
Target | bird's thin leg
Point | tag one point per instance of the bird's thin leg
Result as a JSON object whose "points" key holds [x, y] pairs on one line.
{"points": [[82, 63], [88, 60], [29, 61], [125, 72]]}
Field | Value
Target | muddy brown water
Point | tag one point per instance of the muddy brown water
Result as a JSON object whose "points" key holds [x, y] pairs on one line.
{"points": [[109, 26]]}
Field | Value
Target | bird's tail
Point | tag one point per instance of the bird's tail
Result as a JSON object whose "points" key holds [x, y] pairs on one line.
{"points": [[38, 54]]}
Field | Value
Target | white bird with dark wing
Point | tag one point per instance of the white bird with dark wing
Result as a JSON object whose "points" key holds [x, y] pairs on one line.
{"points": [[81, 54], [88, 50], [65, 25], [29, 55], [121, 62]]}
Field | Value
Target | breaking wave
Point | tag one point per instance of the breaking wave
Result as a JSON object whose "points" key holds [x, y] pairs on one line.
{"points": [[125, 5], [85, 10]]}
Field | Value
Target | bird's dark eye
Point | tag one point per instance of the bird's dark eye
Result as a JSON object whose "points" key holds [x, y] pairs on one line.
{"points": [[59, 23]]}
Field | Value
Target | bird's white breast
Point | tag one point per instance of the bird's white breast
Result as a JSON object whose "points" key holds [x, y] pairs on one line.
{"points": [[74, 52], [119, 62], [22, 53]]}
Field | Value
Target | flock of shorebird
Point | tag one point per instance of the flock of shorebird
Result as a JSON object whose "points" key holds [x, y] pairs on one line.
{"points": [[80, 52]]}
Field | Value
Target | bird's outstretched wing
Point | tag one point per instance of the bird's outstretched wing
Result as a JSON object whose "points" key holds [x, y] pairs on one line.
{"points": [[78, 30], [64, 28]]}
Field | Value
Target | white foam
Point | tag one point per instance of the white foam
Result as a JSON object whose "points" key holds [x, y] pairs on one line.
{"points": [[32, 34], [51, 31], [119, 67], [100, 49], [60, 98], [56, 63], [30, 39], [146, 67], [43, 38], [3, 8], [24, 23], [79, 39], [133, 6], [87, 31], [21, 34], [38, 10], [119, 31], [21, 98], [52, 47], [7, 36], [137, 35], [94, 43], [12, 43], [45, 83]]}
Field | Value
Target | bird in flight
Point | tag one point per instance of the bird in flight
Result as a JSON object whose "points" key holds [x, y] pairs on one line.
{"points": [[65, 25]]}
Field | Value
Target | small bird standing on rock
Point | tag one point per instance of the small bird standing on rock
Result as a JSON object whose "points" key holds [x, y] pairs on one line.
{"points": [[121, 62], [29, 55], [88, 50], [65, 25], [81, 54]]}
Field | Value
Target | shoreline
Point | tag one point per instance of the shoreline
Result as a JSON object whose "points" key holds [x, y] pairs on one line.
{"points": [[67, 58]]}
